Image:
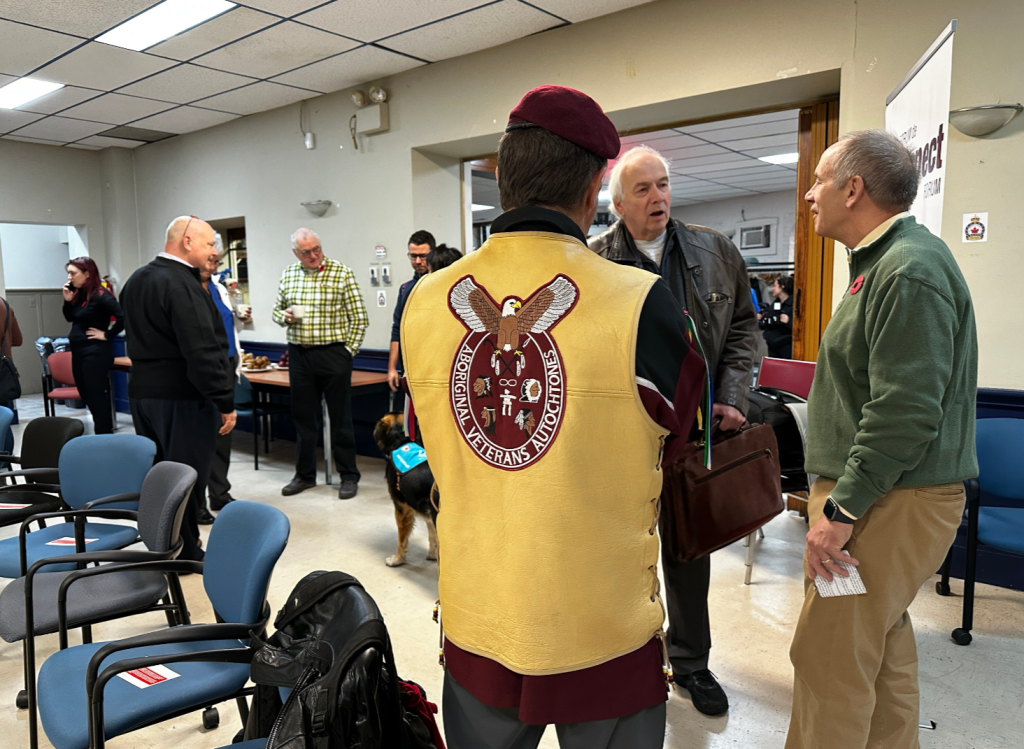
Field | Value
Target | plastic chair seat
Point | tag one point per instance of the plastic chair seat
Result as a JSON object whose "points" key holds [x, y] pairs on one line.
{"points": [[65, 394], [251, 744], [108, 536], [91, 598], [64, 712], [1002, 528]]}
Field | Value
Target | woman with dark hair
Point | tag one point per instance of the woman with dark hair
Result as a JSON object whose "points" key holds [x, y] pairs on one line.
{"points": [[777, 320], [95, 318], [441, 257]]}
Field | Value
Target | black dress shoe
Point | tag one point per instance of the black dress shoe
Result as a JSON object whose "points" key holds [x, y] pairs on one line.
{"points": [[705, 691], [348, 489], [219, 504], [204, 517], [297, 485]]}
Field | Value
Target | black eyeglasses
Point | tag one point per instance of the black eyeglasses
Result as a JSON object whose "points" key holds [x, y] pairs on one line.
{"points": [[415, 256]]}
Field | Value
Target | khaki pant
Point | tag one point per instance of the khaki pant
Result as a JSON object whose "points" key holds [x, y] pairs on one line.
{"points": [[854, 657]]}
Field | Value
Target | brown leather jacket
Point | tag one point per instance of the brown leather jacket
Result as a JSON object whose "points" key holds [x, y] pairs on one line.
{"points": [[706, 274]]}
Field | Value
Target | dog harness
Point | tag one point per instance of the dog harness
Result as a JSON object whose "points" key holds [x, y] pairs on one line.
{"points": [[408, 456], [521, 364]]}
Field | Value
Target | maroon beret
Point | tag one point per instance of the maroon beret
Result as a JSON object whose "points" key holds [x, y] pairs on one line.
{"points": [[568, 113]]}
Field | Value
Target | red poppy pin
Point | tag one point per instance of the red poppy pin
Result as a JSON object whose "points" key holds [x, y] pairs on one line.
{"points": [[857, 284]]}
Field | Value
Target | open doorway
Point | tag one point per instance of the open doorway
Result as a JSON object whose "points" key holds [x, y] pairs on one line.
{"points": [[34, 259], [234, 263], [744, 176]]}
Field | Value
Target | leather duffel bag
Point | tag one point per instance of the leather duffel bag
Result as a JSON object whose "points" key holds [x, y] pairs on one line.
{"points": [[704, 510]]}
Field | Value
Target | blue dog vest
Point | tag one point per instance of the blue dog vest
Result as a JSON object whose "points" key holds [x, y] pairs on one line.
{"points": [[408, 456]]}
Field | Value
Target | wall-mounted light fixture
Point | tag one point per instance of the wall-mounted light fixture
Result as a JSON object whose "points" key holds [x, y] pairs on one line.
{"points": [[359, 98], [317, 207], [984, 119], [378, 95]]}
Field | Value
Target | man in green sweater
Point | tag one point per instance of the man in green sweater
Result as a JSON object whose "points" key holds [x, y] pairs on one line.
{"points": [[891, 436]]}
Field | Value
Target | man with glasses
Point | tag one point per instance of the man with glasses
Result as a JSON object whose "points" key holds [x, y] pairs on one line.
{"points": [[319, 302], [182, 388], [421, 244]]}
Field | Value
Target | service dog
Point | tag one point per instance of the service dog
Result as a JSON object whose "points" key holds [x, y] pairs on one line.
{"points": [[412, 492]]}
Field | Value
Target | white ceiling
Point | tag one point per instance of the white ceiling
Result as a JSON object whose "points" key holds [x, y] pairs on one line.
{"points": [[260, 55], [712, 161]]}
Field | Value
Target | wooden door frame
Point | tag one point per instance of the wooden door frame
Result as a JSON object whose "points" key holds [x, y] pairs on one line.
{"points": [[814, 255]]}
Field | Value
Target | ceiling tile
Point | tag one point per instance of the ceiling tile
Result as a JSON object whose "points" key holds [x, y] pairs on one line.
{"points": [[358, 66], [581, 10], [256, 98], [60, 99], [276, 50], [101, 141], [35, 140], [101, 66], [62, 129], [186, 83], [789, 115], [371, 21], [25, 48], [11, 119], [86, 18], [84, 148], [5, 79], [479, 29], [284, 8], [221, 30], [185, 120], [116, 109]]}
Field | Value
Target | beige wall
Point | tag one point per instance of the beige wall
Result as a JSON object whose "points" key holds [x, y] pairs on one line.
{"points": [[652, 65]]}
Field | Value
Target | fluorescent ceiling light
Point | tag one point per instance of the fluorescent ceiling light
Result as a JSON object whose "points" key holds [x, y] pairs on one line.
{"points": [[781, 158], [24, 90], [481, 207], [162, 22]]}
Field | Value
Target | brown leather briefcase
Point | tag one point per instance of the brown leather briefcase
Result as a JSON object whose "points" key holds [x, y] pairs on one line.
{"points": [[702, 510]]}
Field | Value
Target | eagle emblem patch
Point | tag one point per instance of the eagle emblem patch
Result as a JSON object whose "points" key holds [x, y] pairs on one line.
{"points": [[507, 381]]}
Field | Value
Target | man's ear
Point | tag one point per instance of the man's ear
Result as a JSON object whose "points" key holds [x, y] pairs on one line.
{"points": [[854, 191]]}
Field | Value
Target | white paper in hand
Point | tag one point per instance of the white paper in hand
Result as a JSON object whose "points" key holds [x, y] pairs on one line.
{"points": [[841, 586]]}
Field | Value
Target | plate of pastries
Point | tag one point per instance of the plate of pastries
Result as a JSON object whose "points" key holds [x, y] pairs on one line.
{"points": [[252, 363]]}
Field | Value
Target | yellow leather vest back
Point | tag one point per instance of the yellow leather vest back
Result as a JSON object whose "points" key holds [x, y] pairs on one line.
{"points": [[521, 362]]}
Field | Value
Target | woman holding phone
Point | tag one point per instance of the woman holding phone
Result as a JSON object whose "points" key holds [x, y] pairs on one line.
{"points": [[95, 318]]}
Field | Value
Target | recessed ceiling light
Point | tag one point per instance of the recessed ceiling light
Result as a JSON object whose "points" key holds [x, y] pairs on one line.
{"points": [[24, 90], [481, 207], [162, 22], [781, 158]]}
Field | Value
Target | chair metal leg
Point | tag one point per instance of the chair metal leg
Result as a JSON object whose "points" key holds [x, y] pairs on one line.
{"points": [[760, 533], [962, 635], [942, 587], [255, 441], [243, 711], [179, 597], [266, 433], [749, 543]]}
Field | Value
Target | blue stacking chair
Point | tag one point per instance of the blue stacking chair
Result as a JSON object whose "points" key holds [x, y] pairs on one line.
{"points": [[41, 444], [102, 469], [1000, 444], [82, 702], [246, 404]]}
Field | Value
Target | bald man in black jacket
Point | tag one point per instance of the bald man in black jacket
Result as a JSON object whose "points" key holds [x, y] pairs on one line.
{"points": [[182, 385]]}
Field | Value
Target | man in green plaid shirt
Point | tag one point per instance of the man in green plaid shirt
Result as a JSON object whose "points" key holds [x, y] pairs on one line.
{"points": [[319, 302]]}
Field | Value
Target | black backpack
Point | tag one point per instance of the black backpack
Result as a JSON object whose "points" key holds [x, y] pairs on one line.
{"points": [[332, 650], [768, 406]]}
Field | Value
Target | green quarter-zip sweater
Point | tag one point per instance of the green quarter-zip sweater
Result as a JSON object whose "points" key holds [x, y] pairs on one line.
{"points": [[894, 392]]}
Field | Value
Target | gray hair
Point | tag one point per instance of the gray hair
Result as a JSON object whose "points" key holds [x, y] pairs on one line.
{"points": [[302, 233], [889, 169], [615, 177]]}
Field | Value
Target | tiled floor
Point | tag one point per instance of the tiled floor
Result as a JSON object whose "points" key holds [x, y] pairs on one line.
{"points": [[975, 694]]}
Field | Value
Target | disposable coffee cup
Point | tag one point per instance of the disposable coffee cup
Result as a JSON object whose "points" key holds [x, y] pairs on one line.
{"points": [[244, 310], [298, 311]]}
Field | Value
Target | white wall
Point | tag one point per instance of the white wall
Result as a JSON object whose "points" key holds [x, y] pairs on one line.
{"points": [[724, 215], [34, 256]]}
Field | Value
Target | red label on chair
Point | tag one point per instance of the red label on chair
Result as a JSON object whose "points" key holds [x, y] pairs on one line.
{"points": [[68, 541], [4, 506], [147, 677]]}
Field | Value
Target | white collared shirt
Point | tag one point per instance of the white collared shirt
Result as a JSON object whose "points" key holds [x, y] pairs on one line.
{"points": [[169, 256]]}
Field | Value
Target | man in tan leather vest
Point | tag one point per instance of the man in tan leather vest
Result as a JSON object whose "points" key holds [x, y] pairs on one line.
{"points": [[547, 383]]}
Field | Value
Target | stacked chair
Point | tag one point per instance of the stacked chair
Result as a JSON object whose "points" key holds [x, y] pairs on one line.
{"points": [[82, 700], [41, 445], [246, 404]]}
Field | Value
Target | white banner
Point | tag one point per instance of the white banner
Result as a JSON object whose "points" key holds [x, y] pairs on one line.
{"points": [[917, 112]]}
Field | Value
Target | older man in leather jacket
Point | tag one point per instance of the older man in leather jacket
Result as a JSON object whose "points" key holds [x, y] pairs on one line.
{"points": [[706, 275]]}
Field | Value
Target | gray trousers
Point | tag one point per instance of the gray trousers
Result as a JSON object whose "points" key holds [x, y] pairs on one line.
{"points": [[470, 724], [689, 626]]}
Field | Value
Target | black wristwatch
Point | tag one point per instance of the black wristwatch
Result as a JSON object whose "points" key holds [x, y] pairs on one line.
{"points": [[834, 513]]}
